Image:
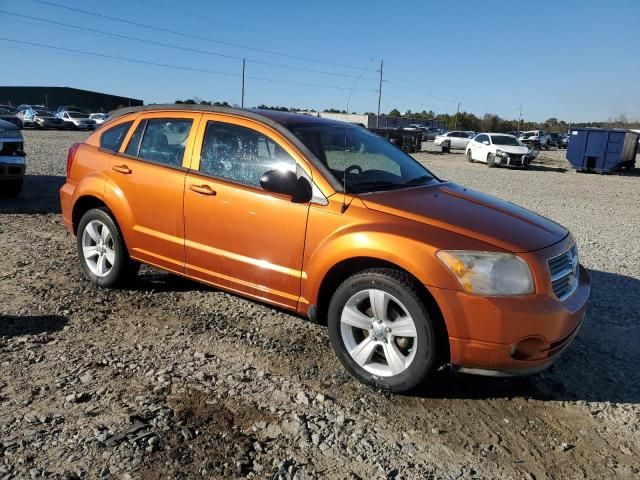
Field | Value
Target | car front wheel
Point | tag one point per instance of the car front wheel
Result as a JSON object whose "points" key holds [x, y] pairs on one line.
{"points": [[469, 157], [491, 160], [381, 330], [102, 251]]}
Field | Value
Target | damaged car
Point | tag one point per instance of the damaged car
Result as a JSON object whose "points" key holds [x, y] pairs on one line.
{"points": [[12, 159]]}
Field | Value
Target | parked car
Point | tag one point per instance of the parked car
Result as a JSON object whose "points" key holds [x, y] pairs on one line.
{"points": [[330, 221], [77, 120], [452, 140], [12, 159], [496, 149], [9, 116], [39, 118], [70, 108], [432, 133], [536, 139], [10, 108], [99, 118], [557, 140]]}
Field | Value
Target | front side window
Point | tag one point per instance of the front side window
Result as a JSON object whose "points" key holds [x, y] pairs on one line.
{"points": [[240, 154], [364, 161], [163, 140], [112, 138]]}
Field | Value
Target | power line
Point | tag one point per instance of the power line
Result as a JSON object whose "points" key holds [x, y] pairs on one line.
{"points": [[191, 35], [451, 97], [176, 67], [186, 49]]}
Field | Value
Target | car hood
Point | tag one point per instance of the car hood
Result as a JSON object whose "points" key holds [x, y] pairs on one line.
{"points": [[519, 150], [470, 213]]}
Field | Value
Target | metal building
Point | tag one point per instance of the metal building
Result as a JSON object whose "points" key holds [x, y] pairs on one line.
{"points": [[53, 97]]}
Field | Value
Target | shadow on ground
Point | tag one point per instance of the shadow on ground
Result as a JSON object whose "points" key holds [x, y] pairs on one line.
{"points": [[601, 365], [15, 326], [39, 195]]}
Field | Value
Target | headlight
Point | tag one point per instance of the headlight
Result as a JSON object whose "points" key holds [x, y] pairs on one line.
{"points": [[489, 273], [501, 153]]}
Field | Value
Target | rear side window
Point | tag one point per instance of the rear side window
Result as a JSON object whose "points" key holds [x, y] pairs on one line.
{"points": [[161, 140], [112, 138], [240, 154]]}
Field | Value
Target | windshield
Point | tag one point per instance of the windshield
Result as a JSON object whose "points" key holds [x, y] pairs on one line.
{"points": [[78, 115], [363, 160], [505, 140]]}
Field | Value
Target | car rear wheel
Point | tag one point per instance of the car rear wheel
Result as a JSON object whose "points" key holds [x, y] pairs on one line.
{"points": [[102, 251], [381, 330], [491, 160], [10, 188]]}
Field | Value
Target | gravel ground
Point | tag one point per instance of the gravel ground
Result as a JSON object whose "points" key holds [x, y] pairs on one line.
{"points": [[171, 379]]}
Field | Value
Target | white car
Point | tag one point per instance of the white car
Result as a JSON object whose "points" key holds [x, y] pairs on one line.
{"points": [[98, 117], [77, 120], [452, 140], [497, 149]]}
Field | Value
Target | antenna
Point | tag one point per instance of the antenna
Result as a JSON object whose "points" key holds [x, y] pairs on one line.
{"points": [[344, 206]]}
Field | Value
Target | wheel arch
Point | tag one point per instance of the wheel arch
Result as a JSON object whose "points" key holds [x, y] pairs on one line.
{"points": [[351, 266]]}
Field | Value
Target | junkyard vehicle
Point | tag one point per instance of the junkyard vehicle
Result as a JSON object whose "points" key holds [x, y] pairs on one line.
{"points": [[330, 221], [12, 159], [557, 140], [11, 117], [496, 149], [536, 139], [77, 120], [39, 118], [70, 108], [98, 117], [452, 140]]}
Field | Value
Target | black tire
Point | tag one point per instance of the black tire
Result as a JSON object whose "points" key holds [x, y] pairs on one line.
{"points": [[491, 160], [446, 148], [10, 188], [469, 157], [401, 286], [123, 270]]}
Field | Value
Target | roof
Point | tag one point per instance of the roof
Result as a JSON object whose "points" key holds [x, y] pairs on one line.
{"points": [[283, 118]]}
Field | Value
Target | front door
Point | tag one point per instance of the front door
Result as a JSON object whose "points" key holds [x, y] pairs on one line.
{"points": [[149, 175], [238, 235]]}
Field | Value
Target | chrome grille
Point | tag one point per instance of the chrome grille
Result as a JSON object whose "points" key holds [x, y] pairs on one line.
{"points": [[564, 271]]}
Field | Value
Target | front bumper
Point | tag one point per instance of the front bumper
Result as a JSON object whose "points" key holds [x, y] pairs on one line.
{"points": [[12, 167], [515, 335]]}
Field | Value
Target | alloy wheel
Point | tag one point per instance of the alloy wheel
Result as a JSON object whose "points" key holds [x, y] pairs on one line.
{"points": [[378, 332], [98, 248]]}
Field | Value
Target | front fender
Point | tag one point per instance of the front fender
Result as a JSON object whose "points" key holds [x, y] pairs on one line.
{"points": [[409, 245]]}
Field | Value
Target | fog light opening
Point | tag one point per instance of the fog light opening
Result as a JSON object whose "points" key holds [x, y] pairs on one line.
{"points": [[528, 348]]}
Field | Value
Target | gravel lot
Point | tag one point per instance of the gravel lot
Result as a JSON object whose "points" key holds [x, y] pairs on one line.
{"points": [[171, 379]]}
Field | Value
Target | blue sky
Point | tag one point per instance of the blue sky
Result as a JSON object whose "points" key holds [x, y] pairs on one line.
{"points": [[574, 60]]}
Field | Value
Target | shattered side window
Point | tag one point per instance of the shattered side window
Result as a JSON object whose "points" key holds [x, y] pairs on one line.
{"points": [[240, 154]]}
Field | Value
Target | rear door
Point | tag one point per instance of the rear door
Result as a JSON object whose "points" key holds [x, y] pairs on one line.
{"points": [[148, 177], [238, 235]]}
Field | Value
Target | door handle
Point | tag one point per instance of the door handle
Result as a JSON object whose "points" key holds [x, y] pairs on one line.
{"points": [[202, 189], [122, 169]]}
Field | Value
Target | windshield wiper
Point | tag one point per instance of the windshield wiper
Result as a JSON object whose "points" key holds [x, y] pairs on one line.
{"points": [[420, 180]]}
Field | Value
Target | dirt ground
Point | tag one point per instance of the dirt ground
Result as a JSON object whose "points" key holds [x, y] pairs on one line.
{"points": [[172, 379]]}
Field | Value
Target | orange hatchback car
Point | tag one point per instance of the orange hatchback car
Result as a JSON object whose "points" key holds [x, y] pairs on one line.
{"points": [[409, 272]]}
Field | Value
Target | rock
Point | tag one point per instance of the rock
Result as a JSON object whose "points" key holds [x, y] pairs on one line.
{"points": [[301, 398], [187, 433]]}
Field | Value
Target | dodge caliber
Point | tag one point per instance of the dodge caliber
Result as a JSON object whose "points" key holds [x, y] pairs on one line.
{"points": [[410, 273]]}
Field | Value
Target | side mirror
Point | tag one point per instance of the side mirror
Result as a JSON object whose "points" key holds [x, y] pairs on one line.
{"points": [[285, 182], [486, 142]]}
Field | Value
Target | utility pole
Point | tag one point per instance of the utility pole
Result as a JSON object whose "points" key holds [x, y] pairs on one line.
{"points": [[242, 98], [455, 123], [519, 118], [379, 94]]}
